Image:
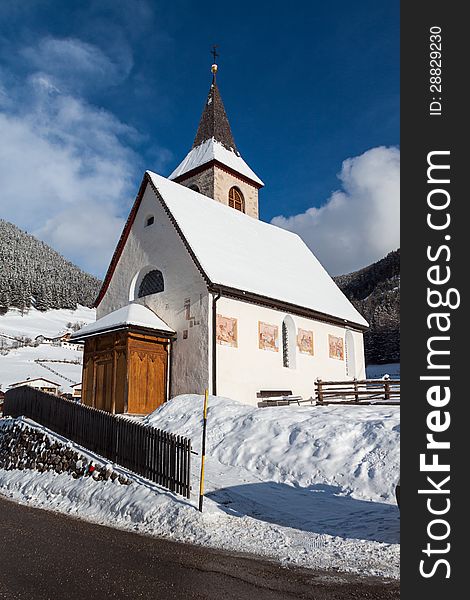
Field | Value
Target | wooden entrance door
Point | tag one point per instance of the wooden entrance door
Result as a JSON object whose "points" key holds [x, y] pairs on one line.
{"points": [[104, 385], [147, 369]]}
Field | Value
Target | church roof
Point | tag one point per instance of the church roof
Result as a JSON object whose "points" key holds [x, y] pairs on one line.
{"points": [[214, 142], [133, 314], [244, 254]]}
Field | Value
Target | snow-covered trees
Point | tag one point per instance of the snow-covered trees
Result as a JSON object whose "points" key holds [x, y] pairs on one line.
{"points": [[33, 274]]}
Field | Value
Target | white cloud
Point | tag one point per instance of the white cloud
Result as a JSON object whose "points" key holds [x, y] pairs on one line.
{"points": [[67, 167], [77, 64], [360, 223]]}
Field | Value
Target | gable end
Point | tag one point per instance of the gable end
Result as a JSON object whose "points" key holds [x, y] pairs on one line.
{"points": [[127, 229]]}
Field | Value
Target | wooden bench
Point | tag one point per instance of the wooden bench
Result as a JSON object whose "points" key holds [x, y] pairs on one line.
{"points": [[277, 398]]}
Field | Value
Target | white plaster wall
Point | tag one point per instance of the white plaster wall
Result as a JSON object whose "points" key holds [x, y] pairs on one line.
{"points": [[160, 246], [243, 371]]}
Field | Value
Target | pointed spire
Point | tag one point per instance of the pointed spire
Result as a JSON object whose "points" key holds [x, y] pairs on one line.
{"points": [[214, 122]]}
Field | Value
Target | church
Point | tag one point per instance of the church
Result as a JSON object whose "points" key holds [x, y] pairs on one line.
{"points": [[202, 294]]}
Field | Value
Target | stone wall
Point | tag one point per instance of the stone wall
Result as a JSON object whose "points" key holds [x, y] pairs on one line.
{"points": [[23, 447], [215, 183], [204, 181]]}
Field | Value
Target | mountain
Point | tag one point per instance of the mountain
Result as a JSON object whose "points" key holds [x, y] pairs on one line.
{"points": [[33, 274], [375, 292]]}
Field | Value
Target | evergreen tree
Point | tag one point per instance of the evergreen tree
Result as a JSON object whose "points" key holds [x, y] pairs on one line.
{"points": [[33, 274]]}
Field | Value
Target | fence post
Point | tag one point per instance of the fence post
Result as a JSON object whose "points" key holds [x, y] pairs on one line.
{"points": [[319, 385], [356, 395], [387, 389], [203, 451]]}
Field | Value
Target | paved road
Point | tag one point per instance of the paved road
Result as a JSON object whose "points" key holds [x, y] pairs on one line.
{"points": [[48, 556]]}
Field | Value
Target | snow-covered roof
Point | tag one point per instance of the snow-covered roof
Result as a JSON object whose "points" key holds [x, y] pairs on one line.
{"points": [[238, 251], [132, 314], [29, 381], [209, 150]]}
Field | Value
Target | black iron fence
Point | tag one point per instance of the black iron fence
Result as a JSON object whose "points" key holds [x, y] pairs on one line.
{"points": [[155, 454]]}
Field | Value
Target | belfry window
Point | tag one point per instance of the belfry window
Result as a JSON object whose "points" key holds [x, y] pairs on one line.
{"points": [[236, 200], [194, 187], [152, 283]]}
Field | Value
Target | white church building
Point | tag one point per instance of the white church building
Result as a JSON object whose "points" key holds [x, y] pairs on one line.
{"points": [[202, 294]]}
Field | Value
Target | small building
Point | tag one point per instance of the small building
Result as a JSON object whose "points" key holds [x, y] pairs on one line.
{"points": [[126, 361], [200, 293], [43, 339], [44, 385], [76, 390]]}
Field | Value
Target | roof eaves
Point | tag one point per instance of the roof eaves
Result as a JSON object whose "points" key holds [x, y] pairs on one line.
{"points": [[213, 162], [125, 327], [295, 309]]}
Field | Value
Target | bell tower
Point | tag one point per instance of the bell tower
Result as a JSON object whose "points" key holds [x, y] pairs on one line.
{"points": [[214, 166]]}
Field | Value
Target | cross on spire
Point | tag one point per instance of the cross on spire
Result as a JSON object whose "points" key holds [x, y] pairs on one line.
{"points": [[215, 54]]}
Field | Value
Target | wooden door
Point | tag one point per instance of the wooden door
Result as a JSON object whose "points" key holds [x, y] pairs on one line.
{"points": [[147, 378], [104, 385]]}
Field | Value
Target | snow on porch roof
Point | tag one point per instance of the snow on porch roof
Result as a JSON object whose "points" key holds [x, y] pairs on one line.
{"points": [[238, 251], [132, 314]]}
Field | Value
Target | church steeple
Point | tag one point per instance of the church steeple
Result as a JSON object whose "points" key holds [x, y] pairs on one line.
{"points": [[214, 122], [214, 166]]}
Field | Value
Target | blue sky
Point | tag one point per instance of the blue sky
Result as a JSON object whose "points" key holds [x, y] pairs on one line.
{"points": [[92, 93]]}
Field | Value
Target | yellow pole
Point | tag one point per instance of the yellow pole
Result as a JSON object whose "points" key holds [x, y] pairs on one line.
{"points": [[203, 450]]}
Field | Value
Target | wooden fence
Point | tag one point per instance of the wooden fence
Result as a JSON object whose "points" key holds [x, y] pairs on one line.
{"points": [[366, 391], [155, 454]]}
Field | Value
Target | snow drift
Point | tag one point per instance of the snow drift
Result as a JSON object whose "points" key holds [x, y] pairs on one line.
{"points": [[355, 448]]}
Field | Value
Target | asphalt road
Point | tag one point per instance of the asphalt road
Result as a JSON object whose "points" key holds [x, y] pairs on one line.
{"points": [[48, 556]]}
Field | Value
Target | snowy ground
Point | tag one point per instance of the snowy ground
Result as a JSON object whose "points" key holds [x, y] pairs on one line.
{"points": [[20, 364], [311, 486], [49, 323]]}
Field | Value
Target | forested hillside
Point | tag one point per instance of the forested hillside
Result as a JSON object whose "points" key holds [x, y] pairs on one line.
{"points": [[33, 274], [375, 292]]}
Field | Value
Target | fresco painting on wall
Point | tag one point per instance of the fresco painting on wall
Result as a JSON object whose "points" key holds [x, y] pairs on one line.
{"points": [[305, 341], [336, 345], [227, 333], [268, 336]]}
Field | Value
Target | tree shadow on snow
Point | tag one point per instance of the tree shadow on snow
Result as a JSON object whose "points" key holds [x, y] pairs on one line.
{"points": [[318, 508]]}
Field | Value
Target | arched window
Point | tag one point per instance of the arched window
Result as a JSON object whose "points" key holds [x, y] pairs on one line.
{"points": [[149, 221], [236, 200], [194, 187], [152, 283], [288, 343]]}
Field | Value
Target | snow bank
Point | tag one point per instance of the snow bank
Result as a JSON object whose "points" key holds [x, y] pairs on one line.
{"points": [[353, 447], [308, 486]]}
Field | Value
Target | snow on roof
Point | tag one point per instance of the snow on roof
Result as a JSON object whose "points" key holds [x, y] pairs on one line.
{"points": [[213, 150], [132, 314], [28, 381], [241, 252]]}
